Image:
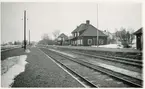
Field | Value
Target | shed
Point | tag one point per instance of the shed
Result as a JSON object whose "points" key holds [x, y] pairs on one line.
{"points": [[139, 39]]}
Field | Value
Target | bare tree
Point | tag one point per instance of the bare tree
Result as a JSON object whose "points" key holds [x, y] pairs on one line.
{"points": [[125, 36], [132, 37], [46, 40], [56, 33], [45, 36]]}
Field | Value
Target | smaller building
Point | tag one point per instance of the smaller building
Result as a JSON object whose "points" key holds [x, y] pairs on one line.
{"points": [[139, 39], [62, 39], [110, 37]]}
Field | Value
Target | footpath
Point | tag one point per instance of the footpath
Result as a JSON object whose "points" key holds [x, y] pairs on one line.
{"points": [[41, 71]]}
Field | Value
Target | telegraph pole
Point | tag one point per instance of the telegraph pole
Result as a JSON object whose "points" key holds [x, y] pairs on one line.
{"points": [[97, 27], [29, 37], [25, 30]]}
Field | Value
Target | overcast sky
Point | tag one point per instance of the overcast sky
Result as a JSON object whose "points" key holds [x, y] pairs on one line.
{"points": [[50, 16]]}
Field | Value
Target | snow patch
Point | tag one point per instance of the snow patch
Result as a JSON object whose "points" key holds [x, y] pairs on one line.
{"points": [[18, 67], [119, 70], [110, 46], [7, 63], [27, 51]]}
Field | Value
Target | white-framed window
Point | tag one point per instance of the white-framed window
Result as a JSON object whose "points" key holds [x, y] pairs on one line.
{"points": [[101, 41], [89, 41], [81, 41], [75, 42], [78, 41], [78, 33]]}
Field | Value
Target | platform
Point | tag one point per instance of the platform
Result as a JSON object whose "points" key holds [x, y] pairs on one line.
{"points": [[43, 72], [125, 50]]}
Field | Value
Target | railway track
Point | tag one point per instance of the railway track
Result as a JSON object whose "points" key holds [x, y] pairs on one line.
{"points": [[96, 75], [133, 62]]}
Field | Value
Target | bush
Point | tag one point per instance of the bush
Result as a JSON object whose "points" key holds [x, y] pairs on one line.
{"points": [[125, 44]]}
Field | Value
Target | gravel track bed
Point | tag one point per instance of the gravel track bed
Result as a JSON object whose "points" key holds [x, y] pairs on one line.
{"points": [[95, 77], [116, 54], [90, 59]]}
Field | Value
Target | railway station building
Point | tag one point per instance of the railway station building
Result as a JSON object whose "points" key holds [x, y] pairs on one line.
{"points": [[86, 35]]}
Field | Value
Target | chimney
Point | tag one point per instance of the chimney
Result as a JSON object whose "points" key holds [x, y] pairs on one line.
{"points": [[87, 21]]}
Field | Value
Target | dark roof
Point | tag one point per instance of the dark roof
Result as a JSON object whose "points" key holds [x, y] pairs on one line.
{"points": [[92, 31], [83, 26], [75, 30], [63, 36], [138, 31]]}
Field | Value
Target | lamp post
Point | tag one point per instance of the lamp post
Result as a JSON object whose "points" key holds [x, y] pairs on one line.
{"points": [[29, 37]]}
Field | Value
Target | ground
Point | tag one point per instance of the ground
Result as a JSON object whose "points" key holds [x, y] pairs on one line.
{"points": [[40, 71]]}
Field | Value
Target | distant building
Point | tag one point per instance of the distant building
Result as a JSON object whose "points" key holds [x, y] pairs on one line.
{"points": [[139, 39], [110, 37], [62, 39], [86, 35]]}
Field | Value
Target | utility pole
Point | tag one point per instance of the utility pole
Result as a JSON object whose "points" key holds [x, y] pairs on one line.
{"points": [[29, 37], [25, 30], [97, 27]]}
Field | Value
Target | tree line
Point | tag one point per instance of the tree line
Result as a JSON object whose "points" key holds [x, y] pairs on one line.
{"points": [[125, 36], [46, 40]]}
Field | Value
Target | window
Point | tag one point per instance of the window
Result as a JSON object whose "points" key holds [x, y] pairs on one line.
{"points": [[81, 41], [75, 34], [101, 41], [78, 41], [75, 42], [78, 33], [89, 41]]}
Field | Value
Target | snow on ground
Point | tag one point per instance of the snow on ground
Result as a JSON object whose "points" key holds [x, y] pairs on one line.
{"points": [[119, 70], [7, 63], [27, 51], [110, 46], [110, 67], [12, 67]]}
